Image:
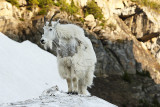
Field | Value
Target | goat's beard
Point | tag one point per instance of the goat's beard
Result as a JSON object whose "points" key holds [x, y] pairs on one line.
{"points": [[48, 45]]}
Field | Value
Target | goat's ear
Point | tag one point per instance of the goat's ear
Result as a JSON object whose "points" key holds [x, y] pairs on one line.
{"points": [[57, 22]]}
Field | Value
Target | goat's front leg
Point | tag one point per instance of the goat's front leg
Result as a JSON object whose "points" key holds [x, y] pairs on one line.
{"points": [[69, 82], [75, 86], [80, 86]]}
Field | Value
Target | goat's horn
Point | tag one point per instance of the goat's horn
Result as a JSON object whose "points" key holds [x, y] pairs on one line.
{"points": [[56, 12], [44, 20]]}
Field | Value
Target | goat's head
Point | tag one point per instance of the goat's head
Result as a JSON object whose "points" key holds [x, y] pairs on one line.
{"points": [[49, 31]]}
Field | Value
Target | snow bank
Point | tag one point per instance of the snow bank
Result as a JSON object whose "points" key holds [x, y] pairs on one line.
{"points": [[26, 70]]}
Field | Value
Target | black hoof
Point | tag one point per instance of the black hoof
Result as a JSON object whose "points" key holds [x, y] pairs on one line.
{"points": [[75, 93], [69, 92]]}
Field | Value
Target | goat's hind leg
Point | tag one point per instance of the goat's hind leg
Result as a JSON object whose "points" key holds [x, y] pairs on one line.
{"points": [[80, 86], [84, 89]]}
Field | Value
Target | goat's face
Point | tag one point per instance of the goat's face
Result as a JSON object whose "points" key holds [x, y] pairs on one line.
{"points": [[49, 33]]}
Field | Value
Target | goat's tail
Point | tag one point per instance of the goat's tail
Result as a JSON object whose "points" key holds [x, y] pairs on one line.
{"points": [[89, 77]]}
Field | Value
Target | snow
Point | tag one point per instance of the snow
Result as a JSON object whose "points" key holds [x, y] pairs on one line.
{"points": [[52, 97], [26, 71]]}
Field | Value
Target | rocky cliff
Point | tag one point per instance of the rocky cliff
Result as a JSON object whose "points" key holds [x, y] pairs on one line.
{"points": [[126, 43]]}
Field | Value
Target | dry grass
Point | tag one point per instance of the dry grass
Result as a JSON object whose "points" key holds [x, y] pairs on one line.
{"points": [[153, 4]]}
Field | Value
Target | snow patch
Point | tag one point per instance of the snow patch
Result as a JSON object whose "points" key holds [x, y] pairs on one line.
{"points": [[26, 71]]}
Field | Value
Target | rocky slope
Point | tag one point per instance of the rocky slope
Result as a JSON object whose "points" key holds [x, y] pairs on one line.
{"points": [[127, 43]]}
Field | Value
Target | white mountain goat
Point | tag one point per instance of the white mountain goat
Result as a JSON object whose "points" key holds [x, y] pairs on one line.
{"points": [[75, 55]]}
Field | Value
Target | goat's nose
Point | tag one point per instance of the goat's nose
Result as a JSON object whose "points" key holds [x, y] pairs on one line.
{"points": [[42, 41]]}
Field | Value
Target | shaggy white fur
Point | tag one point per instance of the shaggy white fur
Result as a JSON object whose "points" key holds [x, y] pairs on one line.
{"points": [[75, 55]]}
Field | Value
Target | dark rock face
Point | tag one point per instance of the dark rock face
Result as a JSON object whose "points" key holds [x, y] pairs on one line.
{"points": [[140, 92], [106, 61], [114, 57]]}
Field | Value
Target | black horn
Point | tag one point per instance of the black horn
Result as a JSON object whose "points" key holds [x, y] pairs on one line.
{"points": [[56, 12], [44, 20]]}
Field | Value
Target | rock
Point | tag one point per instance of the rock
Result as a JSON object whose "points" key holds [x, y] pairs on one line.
{"points": [[153, 40], [144, 46], [124, 54], [89, 18], [22, 2], [144, 24], [117, 58], [90, 21], [5, 9], [97, 29], [50, 92], [158, 41], [154, 47], [91, 25], [129, 94], [106, 6], [126, 11]]}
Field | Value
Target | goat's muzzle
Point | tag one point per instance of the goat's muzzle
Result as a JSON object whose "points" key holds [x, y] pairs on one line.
{"points": [[42, 41]]}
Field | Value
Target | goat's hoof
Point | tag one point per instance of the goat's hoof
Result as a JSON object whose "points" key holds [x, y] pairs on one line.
{"points": [[75, 93], [69, 92]]}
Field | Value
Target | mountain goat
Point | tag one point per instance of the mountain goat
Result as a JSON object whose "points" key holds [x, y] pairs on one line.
{"points": [[75, 55]]}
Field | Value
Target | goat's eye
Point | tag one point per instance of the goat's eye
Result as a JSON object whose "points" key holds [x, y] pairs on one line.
{"points": [[50, 29]]}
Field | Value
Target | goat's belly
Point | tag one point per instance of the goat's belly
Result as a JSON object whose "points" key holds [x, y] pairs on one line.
{"points": [[64, 66], [69, 68], [65, 61]]}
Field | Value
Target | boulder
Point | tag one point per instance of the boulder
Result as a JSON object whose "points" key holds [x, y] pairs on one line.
{"points": [[5, 9], [90, 18], [22, 2]]}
